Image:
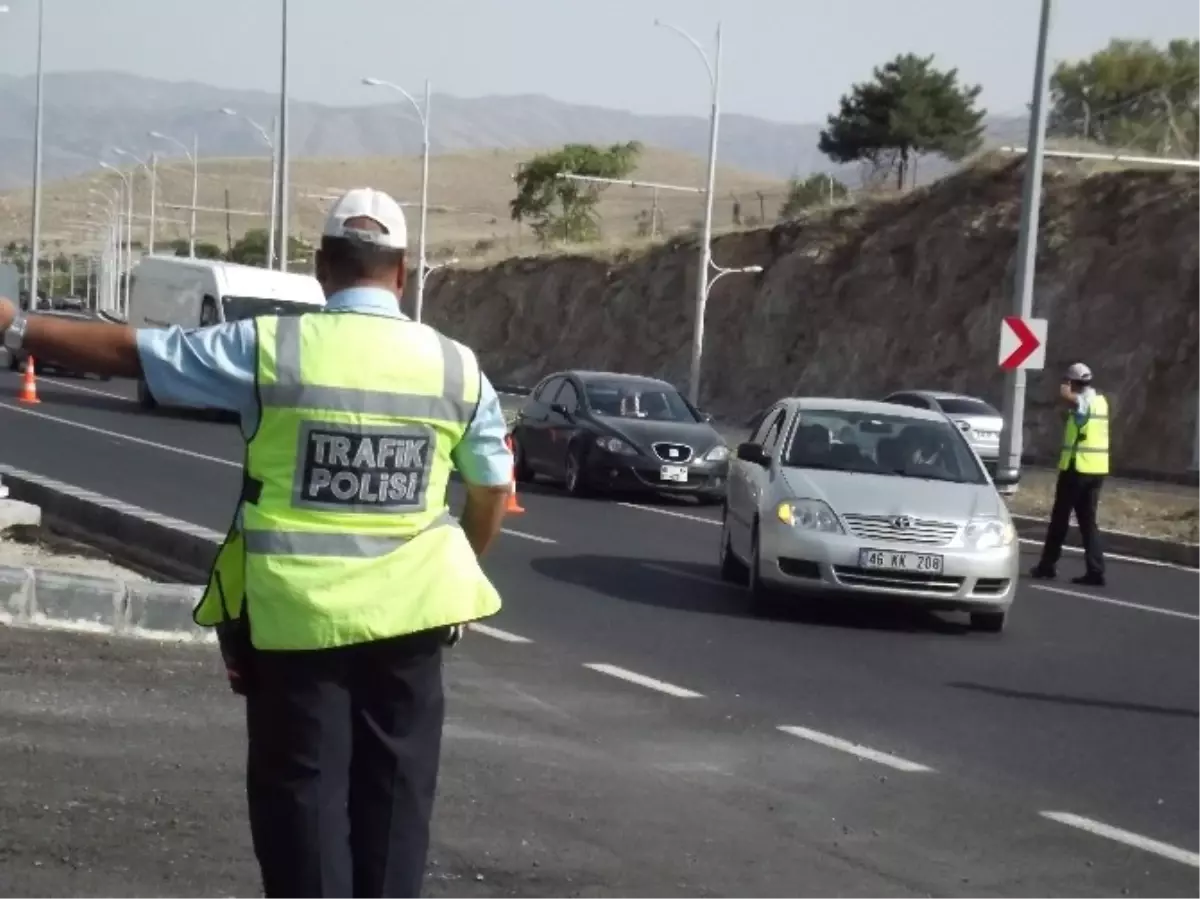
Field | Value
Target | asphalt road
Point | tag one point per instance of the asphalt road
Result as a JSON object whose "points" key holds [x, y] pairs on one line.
{"points": [[924, 758]]}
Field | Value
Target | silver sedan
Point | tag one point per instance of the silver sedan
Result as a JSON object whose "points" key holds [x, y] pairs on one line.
{"points": [[853, 497]]}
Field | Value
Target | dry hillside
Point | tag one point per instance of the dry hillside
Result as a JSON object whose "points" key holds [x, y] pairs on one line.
{"points": [[865, 299], [468, 195]]}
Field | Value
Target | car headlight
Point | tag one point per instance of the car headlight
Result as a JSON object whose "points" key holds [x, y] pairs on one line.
{"points": [[809, 515], [718, 453], [615, 445], [989, 533]]}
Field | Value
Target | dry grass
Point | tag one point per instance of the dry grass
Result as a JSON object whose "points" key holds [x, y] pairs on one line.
{"points": [[469, 195]]}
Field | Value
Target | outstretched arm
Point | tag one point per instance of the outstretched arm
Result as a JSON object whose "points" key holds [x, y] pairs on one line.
{"points": [[97, 347]]}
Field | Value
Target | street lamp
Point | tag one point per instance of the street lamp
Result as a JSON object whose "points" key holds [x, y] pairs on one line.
{"points": [[127, 180], [285, 179], [702, 282], [194, 156], [272, 145], [36, 235], [151, 168], [423, 116], [111, 262]]}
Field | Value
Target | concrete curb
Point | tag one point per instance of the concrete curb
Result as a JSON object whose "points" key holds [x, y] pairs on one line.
{"points": [[1156, 549], [141, 538]]}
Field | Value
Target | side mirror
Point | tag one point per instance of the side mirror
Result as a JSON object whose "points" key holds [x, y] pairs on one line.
{"points": [[1006, 477], [753, 453]]}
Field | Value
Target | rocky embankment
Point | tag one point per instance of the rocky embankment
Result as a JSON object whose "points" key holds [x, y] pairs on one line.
{"points": [[863, 300]]}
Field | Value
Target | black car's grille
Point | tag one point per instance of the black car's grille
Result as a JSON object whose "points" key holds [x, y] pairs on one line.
{"points": [[673, 452]]}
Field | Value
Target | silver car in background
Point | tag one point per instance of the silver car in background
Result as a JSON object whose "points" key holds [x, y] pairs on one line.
{"points": [[980, 422], [853, 497]]}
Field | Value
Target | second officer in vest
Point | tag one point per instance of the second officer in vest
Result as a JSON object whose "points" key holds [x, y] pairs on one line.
{"points": [[1082, 466], [343, 575]]}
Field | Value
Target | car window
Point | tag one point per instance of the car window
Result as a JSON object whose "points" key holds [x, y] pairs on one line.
{"points": [[882, 444], [769, 421], [907, 399], [546, 392], [964, 405], [775, 432], [619, 399], [568, 397]]}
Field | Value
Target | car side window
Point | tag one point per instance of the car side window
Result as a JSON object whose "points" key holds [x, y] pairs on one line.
{"points": [[546, 393], [775, 432], [568, 397], [769, 428]]}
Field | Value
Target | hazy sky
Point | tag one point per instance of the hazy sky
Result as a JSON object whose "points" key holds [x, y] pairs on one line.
{"points": [[783, 59]]}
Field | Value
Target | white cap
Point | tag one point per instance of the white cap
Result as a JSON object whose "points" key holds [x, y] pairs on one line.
{"points": [[1079, 372], [366, 202]]}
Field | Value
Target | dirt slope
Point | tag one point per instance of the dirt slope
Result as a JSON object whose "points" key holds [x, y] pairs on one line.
{"points": [[859, 301]]}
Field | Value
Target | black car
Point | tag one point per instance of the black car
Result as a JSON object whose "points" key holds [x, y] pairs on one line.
{"points": [[598, 431]]}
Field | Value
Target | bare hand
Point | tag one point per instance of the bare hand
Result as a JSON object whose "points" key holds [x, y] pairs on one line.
{"points": [[8, 312]]}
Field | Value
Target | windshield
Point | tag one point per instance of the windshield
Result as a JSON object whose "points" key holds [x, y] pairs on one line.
{"points": [[637, 401], [966, 406], [882, 444], [237, 308]]}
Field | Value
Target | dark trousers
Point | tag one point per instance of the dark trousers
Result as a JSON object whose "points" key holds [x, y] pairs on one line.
{"points": [[343, 764], [1078, 493]]}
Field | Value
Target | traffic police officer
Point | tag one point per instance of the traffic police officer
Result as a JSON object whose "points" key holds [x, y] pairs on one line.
{"points": [[1082, 466], [343, 574]]}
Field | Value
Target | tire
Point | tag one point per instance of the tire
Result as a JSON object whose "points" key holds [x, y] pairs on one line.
{"points": [[710, 499], [762, 597], [988, 622], [573, 478], [733, 569], [145, 398], [521, 470]]}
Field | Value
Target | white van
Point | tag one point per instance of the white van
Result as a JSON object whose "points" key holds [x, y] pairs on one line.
{"points": [[175, 290]]}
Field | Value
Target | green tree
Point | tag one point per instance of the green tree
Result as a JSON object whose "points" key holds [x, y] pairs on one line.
{"points": [[204, 249], [251, 249], [1131, 95], [563, 209], [909, 108], [815, 190]]}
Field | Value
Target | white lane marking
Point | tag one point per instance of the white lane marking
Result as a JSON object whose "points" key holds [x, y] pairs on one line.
{"points": [[1079, 594], [496, 634], [59, 382], [534, 537], [1166, 850], [863, 752], [666, 569], [670, 512], [641, 680], [119, 436]]}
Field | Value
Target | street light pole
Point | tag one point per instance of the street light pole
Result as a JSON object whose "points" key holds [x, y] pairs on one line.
{"points": [[284, 163], [151, 168], [272, 144], [1012, 438], [36, 235], [194, 155], [423, 117], [702, 279]]}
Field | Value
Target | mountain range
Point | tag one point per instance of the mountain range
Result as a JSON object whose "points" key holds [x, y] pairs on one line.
{"points": [[86, 113]]}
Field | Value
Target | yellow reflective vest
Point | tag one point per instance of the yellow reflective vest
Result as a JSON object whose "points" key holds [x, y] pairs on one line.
{"points": [[343, 534], [1088, 445]]}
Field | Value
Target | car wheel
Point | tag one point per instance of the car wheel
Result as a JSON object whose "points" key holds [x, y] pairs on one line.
{"points": [[573, 479], [521, 470], [762, 598], [145, 397], [988, 622], [733, 569]]}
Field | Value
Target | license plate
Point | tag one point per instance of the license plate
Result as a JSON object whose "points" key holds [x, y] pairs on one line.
{"points": [[912, 563], [677, 473]]}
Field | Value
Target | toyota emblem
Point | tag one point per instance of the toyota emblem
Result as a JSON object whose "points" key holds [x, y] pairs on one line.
{"points": [[902, 523]]}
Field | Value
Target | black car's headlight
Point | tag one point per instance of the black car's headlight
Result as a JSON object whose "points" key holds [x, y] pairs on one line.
{"points": [[615, 445], [719, 453]]}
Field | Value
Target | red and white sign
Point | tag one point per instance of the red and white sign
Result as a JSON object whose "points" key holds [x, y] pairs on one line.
{"points": [[1023, 343]]}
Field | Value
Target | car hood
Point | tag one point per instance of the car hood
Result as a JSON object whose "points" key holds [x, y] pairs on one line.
{"points": [[642, 432], [877, 494]]}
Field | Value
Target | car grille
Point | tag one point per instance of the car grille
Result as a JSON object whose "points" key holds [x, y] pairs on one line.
{"points": [[915, 530], [673, 452], [897, 580]]}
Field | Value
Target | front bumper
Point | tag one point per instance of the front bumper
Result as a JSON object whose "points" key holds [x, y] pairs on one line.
{"points": [[643, 474], [829, 563]]}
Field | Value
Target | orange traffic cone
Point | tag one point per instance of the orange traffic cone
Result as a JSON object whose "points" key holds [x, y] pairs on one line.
{"points": [[514, 505], [28, 384]]}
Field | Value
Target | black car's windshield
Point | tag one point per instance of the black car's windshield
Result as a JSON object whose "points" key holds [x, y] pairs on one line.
{"points": [[637, 401], [237, 308], [882, 444]]}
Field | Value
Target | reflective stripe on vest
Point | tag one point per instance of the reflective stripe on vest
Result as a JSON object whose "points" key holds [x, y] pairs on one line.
{"points": [[1087, 447], [347, 537]]}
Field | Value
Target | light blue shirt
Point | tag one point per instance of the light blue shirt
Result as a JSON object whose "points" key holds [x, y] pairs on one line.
{"points": [[214, 368]]}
